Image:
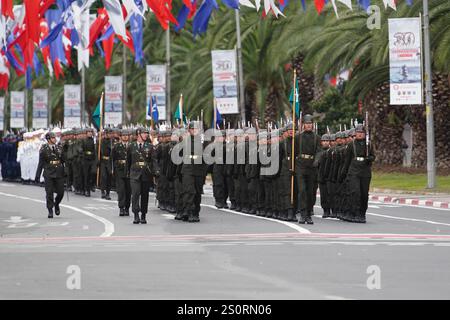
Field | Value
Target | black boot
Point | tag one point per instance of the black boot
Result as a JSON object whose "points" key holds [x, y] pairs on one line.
{"points": [[127, 212], [302, 217], [225, 205], [103, 194], [219, 205], [121, 212], [290, 215], [193, 217], [136, 218], [50, 213], [233, 205], [308, 218], [179, 215], [107, 197], [326, 213], [185, 216], [143, 221], [87, 193], [57, 210]]}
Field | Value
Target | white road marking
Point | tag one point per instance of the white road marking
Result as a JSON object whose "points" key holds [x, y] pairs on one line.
{"points": [[109, 226], [288, 224], [409, 219], [16, 219], [168, 216], [373, 206]]}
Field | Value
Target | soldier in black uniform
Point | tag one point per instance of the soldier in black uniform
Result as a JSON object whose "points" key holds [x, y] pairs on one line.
{"points": [[119, 156], [252, 170], [308, 146], [139, 167], [240, 181], [51, 160], [322, 178], [228, 170], [106, 164], [88, 161], [286, 173], [193, 174], [220, 188], [358, 173]]}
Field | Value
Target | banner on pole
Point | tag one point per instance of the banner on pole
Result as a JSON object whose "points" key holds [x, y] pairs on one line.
{"points": [[113, 100], [405, 61], [225, 81], [156, 87], [17, 118], [2, 113], [40, 108], [72, 105]]}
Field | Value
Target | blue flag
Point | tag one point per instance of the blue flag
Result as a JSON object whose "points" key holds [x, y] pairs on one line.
{"points": [[218, 119], [155, 113], [364, 3], [201, 19], [182, 17], [297, 100], [136, 27]]}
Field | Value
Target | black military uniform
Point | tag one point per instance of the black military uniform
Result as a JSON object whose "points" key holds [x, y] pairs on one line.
{"points": [[119, 156], [51, 160], [252, 171], [193, 174], [357, 171], [140, 166], [88, 162], [286, 174], [220, 188], [106, 164], [322, 177], [240, 180], [308, 145]]}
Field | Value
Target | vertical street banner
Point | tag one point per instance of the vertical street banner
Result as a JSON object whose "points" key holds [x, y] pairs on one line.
{"points": [[156, 87], [2, 113], [72, 105], [17, 118], [405, 57], [40, 108], [113, 100], [225, 80]]}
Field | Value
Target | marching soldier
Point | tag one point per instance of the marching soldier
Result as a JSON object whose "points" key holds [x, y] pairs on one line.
{"points": [[357, 171], [252, 170], [52, 162], [308, 145], [240, 181], [193, 174], [219, 174], [286, 173], [139, 167], [119, 156], [88, 161], [106, 164]]}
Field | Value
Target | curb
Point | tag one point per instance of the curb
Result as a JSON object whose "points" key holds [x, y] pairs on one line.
{"points": [[414, 202]]}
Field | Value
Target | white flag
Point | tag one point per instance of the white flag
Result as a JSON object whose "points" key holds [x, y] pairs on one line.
{"points": [[132, 8], [390, 3], [246, 3], [83, 52], [114, 9], [348, 3]]}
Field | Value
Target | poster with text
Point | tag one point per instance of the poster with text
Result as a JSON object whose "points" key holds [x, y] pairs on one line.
{"points": [[40, 108], [17, 118], [156, 87], [225, 81], [72, 105], [113, 100], [405, 57]]}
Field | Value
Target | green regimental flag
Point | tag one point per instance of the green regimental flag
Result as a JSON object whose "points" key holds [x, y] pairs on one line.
{"points": [[177, 114], [297, 100], [96, 115]]}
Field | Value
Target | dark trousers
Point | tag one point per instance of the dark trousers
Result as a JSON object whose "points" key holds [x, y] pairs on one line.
{"points": [[87, 168], [178, 188], [358, 192], [54, 185], [219, 186], [253, 193], [241, 191], [324, 196], [78, 181], [284, 192], [106, 177], [69, 173], [230, 188], [307, 186], [139, 195], [192, 193], [123, 192], [268, 194]]}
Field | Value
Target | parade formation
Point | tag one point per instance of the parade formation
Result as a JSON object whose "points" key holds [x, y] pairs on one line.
{"points": [[279, 176]]}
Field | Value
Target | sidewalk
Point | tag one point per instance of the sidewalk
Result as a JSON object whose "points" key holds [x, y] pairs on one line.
{"points": [[427, 199]]}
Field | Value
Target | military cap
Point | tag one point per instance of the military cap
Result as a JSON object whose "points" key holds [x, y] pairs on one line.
{"points": [[140, 130], [333, 137], [360, 128], [194, 125], [325, 137], [308, 118], [339, 135], [345, 134], [50, 135], [351, 132]]}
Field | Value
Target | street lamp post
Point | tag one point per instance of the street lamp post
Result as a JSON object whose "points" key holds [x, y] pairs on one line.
{"points": [[240, 68]]}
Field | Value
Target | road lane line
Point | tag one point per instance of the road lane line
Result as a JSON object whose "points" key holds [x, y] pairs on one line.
{"points": [[109, 226], [288, 224], [409, 219]]}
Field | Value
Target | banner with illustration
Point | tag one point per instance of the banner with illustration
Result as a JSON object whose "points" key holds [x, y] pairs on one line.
{"points": [[156, 87], [405, 57], [113, 100], [72, 105], [225, 81], [40, 108], [17, 118]]}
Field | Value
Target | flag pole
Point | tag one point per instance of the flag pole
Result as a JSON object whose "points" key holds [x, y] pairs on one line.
{"points": [[100, 139], [151, 112], [293, 136], [215, 113]]}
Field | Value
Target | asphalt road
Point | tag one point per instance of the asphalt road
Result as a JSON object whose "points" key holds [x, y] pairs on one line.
{"points": [[402, 252]]}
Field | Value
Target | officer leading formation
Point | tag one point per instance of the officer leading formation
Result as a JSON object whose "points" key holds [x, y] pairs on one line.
{"points": [[137, 161]]}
